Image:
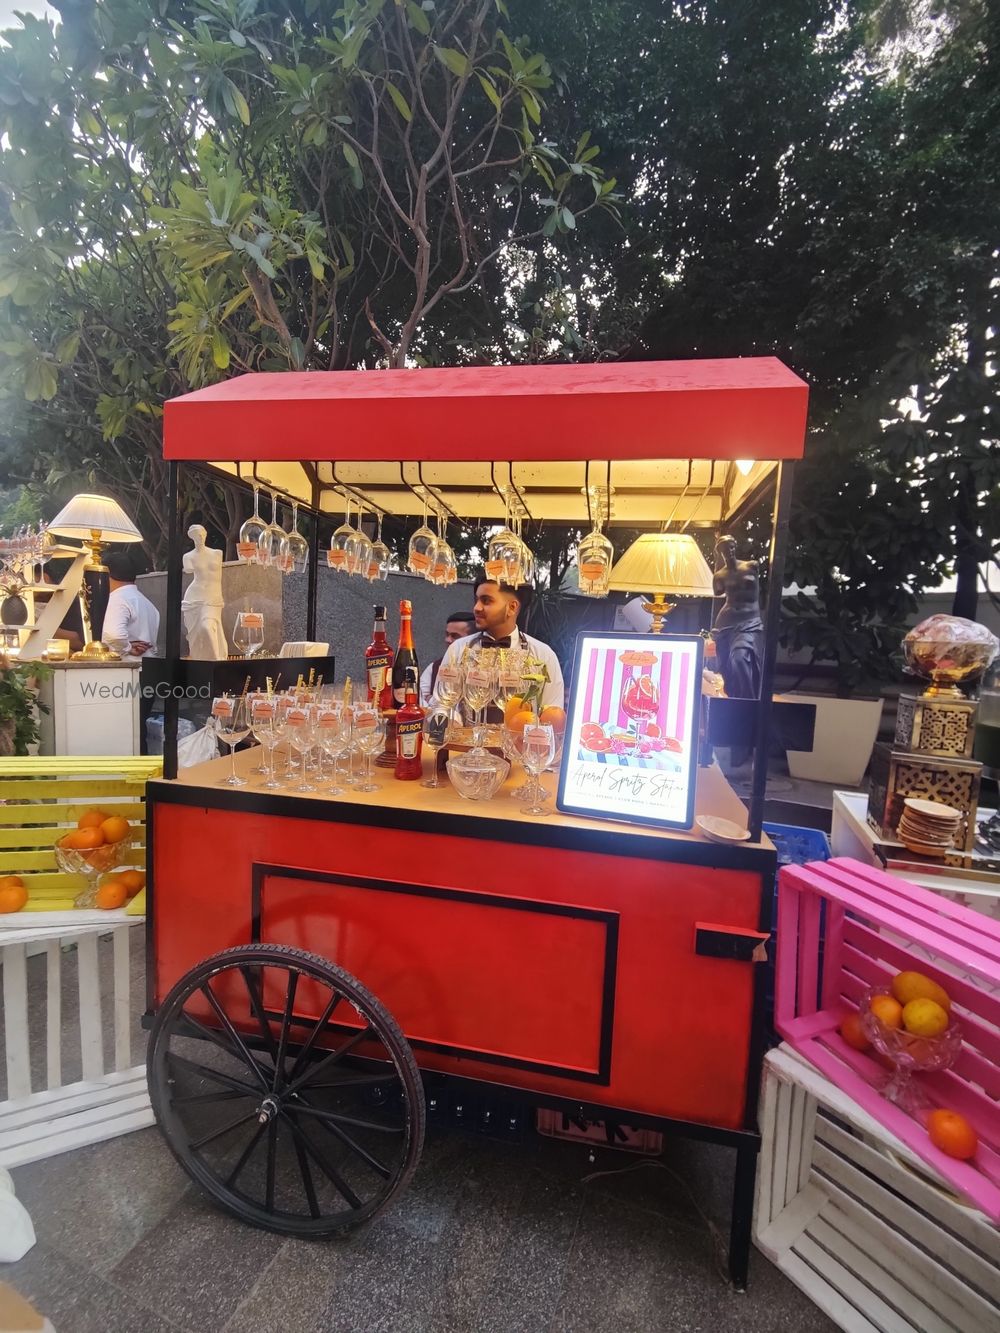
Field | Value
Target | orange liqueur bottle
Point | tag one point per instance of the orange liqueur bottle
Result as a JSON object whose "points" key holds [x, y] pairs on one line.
{"points": [[409, 731], [378, 664]]}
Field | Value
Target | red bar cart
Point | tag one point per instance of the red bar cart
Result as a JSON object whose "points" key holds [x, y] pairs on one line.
{"points": [[357, 954]]}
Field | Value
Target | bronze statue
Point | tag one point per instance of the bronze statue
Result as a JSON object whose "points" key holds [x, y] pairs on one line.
{"points": [[738, 631]]}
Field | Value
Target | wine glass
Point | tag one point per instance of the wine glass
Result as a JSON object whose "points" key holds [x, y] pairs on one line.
{"points": [[360, 552], [448, 687], [435, 727], [640, 701], [380, 558], [595, 554], [294, 553], [333, 736], [262, 717], [248, 632], [301, 737], [231, 727], [479, 689], [369, 737], [248, 542], [442, 557], [538, 749], [421, 543], [342, 543], [269, 542]]}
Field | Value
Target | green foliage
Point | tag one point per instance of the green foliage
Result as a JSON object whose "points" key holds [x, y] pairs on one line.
{"points": [[18, 700]]}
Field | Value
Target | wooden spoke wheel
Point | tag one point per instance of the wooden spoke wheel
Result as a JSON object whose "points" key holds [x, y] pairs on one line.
{"points": [[286, 1090]]}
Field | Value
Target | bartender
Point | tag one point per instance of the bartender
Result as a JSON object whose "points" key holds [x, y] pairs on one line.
{"points": [[496, 612]]}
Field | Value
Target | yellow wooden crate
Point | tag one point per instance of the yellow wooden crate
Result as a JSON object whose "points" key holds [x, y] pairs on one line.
{"points": [[42, 797]]}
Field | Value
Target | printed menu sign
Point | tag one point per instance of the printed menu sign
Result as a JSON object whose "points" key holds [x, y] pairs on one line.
{"points": [[631, 748]]}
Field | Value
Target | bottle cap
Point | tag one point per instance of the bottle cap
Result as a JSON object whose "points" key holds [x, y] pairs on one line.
{"points": [[406, 608], [380, 613]]}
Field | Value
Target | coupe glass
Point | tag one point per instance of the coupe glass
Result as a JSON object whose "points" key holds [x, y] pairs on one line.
{"points": [[248, 542], [294, 554], [538, 750], [421, 547], [263, 710], [435, 727], [369, 737], [302, 737], [231, 726], [333, 736], [269, 542]]}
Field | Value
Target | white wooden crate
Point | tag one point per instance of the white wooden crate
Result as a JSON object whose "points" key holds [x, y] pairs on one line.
{"points": [[110, 1098], [859, 1222]]}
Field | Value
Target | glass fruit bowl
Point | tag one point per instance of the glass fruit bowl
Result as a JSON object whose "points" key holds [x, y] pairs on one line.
{"points": [[477, 775], [908, 1053], [94, 863]]}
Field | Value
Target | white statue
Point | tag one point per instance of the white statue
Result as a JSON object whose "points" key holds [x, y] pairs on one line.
{"points": [[202, 604]]}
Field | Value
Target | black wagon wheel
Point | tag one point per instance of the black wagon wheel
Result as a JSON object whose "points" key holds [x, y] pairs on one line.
{"points": [[286, 1090]]}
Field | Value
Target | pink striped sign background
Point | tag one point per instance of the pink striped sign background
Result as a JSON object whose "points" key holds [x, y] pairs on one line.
{"points": [[606, 678]]}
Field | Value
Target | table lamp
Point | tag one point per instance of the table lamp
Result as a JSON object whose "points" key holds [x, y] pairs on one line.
{"points": [[664, 564], [94, 520]]}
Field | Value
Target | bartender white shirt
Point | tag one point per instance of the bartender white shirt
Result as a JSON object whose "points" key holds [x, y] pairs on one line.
{"points": [[130, 617], [553, 692]]}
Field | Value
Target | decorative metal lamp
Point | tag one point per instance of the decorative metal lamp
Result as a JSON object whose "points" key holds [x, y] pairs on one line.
{"points": [[94, 520], [666, 564]]}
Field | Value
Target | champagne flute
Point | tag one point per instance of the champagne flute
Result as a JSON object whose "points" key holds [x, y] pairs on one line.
{"points": [[369, 737], [538, 749], [435, 726], [231, 727], [333, 735], [262, 716]]}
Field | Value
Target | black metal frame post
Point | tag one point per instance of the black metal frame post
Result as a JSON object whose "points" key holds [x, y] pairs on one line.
{"points": [[772, 616], [312, 589], [172, 647]]}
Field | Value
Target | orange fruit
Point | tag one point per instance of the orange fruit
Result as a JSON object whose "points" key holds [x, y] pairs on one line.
{"points": [[553, 717], [887, 1010], [91, 819], [12, 896], [524, 718], [907, 986], [115, 828], [952, 1134], [513, 706], [924, 1018], [591, 731], [11, 881], [134, 880], [852, 1031], [83, 839], [111, 894]]}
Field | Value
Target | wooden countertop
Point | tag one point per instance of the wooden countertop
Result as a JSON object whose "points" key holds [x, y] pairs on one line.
{"points": [[408, 804]]}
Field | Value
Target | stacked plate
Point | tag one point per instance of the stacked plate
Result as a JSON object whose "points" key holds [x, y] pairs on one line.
{"points": [[927, 827]]}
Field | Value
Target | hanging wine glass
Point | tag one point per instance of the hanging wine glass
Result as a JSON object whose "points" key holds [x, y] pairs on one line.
{"points": [[342, 542], [248, 542], [269, 542], [360, 554], [502, 549], [442, 558], [595, 554], [294, 548], [380, 558], [419, 559]]}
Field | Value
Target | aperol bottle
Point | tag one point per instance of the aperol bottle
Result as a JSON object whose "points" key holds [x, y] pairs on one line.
{"points": [[410, 731], [378, 664]]}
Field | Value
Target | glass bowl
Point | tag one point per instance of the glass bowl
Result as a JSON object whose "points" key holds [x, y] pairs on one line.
{"points": [[477, 775], [909, 1053], [110, 856]]}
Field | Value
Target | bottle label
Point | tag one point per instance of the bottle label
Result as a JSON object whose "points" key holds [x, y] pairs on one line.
{"points": [[378, 673], [408, 736]]}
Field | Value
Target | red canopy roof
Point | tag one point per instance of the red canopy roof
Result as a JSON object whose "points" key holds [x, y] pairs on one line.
{"points": [[751, 407]]}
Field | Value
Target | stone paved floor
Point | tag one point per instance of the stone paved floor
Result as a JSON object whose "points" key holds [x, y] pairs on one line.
{"points": [[490, 1238]]}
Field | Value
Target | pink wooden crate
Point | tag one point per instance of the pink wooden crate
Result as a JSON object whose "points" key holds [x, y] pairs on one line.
{"points": [[875, 926]]}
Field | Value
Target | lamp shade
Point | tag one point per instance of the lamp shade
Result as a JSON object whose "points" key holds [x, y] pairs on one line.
{"points": [[86, 514], [668, 562]]}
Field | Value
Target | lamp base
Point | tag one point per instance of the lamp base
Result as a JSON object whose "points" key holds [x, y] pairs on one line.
{"points": [[96, 651], [659, 608]]}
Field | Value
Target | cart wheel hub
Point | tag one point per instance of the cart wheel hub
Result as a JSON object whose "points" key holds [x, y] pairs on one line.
{"points": [[268, 1110]]}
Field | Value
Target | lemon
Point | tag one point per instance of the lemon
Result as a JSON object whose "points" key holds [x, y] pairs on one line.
{"points": [[924, 1018], [907, 986]]}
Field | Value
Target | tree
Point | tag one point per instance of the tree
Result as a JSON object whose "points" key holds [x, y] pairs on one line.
{"points": [[188, 190]]}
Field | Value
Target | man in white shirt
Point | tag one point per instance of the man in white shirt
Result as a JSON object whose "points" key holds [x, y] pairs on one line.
{"points": [[497, 608], [131, 622]]}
